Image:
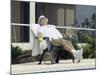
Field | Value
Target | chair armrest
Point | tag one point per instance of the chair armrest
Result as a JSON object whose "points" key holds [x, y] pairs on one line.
{"points": [[43, 38]]}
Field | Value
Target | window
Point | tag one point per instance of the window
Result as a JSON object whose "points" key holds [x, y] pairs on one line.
{"points": [[20, 15]]}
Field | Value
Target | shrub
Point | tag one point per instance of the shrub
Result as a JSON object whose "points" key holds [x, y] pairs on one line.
{"points": [[90, 48], [88, 51], [15, 52], [74, 41]]}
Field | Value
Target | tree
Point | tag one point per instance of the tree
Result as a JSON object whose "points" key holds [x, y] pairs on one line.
{"points": [[93, 20], [90, 23], [89, 37]]}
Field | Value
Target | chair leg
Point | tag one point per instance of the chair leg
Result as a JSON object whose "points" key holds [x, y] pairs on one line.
{"points": [[73, 59], [57, 58], [52, 57], [41, 58], [52, 53]]}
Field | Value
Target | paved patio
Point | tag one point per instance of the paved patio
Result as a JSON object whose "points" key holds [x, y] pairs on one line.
{"points": [[33, 67]]}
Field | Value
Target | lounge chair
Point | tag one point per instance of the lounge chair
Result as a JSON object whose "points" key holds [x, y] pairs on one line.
{"points": [[39, 48]]}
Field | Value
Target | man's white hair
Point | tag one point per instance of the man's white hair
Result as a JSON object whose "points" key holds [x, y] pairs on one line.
{"points": [[42, 16]]}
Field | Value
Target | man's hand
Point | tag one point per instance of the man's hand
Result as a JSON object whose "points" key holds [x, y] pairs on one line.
{"points": [[40, 39]]}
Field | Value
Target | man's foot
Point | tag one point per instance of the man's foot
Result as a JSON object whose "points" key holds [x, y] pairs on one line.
{"points": [[78, 55]]}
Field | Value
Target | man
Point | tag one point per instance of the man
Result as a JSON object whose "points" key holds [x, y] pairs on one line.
{"points": [[56, 38]]}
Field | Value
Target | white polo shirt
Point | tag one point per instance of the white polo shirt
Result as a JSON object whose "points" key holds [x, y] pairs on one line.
{"points": [[50, 31]]}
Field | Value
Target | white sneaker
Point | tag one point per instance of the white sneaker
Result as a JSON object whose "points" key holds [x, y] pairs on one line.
{"points": [[78, 55]]}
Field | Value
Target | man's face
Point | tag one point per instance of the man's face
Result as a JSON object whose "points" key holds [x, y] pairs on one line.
{"points": [[43, 21]]}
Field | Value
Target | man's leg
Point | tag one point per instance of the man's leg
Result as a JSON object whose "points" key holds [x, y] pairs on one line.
{"points": [[78, 54], [70, 43], [48, 44], [68, 47], [61, 42]]}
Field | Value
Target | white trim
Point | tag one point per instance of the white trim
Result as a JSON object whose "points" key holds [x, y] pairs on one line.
{"points": [[84, 2], [76, 28], [18, 24]]}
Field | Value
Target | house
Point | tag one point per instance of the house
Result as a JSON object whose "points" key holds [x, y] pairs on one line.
{"points": [[25, 14]]}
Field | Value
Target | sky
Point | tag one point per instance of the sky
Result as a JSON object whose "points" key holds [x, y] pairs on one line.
{"points": [[84, 11]]}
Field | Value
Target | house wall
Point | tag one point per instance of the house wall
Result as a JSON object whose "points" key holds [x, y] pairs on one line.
{"points": [[58, 14], [29, 45]]}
